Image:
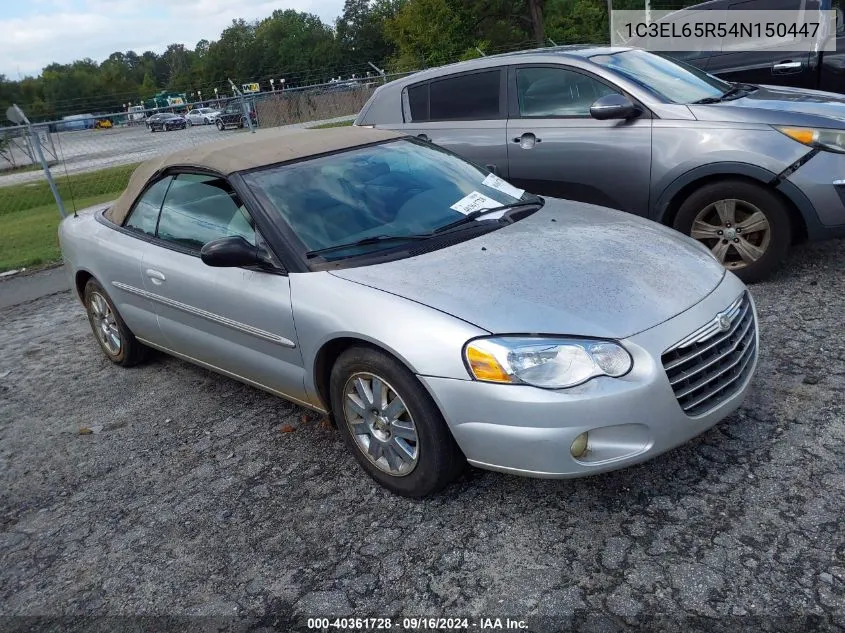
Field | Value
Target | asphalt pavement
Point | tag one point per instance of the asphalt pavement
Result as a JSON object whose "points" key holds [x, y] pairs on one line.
{"points": [[167, 490]]}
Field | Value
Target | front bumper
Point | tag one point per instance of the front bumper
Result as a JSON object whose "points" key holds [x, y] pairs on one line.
{"points": [[529, 431]]}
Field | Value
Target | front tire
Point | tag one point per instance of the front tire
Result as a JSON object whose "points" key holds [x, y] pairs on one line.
{"points": [[745, 225], [116, 340], [220, 125], [391, 424]]}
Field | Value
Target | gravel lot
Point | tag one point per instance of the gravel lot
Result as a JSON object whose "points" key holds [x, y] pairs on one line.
{"points": [[190, 500]]}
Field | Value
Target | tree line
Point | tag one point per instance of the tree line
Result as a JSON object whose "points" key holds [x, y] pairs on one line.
{"points": [[396, 35]]}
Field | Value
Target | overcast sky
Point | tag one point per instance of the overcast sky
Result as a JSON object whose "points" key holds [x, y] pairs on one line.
{"points": [[39, 32]]}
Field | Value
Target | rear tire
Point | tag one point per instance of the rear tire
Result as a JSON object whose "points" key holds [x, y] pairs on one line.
{"points": [[745, 225], [115, 339], [402, 442]]}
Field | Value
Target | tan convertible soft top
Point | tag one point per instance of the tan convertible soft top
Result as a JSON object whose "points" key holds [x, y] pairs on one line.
{"points": [[240, 152]]}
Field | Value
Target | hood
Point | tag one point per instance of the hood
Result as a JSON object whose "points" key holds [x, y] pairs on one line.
{"points": [[778, 105], [570, 268]]}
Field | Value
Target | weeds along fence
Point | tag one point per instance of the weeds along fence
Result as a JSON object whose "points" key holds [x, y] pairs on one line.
{"points": [[92, 156]]}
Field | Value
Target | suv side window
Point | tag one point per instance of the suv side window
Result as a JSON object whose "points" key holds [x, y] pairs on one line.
{"points": [[460, 97], [551, 92], [144, 215], [198, 209]]}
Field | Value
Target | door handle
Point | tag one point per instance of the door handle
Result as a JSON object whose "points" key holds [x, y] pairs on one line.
{"points": [[423, 137], [155, 276], [527, 140], [787, 68]]}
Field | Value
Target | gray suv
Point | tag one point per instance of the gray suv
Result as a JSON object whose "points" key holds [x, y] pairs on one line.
{"points": [[745, 169]]}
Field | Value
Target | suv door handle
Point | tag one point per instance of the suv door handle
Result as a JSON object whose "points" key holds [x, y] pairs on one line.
{"points": [[527, 140], [787, 68], [155, 276]]}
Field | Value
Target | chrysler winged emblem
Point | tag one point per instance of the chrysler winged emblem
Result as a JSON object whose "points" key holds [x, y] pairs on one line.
{"points": [[724, 322]]}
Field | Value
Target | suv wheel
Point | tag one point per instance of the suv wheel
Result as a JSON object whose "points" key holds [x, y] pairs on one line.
{"points": [[745, 225], [390, 423], [220, 125]]}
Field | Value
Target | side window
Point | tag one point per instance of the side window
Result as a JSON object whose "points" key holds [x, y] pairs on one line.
{"points": [[199, 209], [418, 102], [144, 214], [472, 96], [549, 92]]}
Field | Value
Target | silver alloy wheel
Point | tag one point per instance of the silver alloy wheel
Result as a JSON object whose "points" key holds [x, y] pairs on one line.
{"points": [[380, 424], [736, 231], [105, 324]]}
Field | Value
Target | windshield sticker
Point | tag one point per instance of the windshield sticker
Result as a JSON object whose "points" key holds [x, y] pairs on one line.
{"points": [[494, 182], [474, 202]]}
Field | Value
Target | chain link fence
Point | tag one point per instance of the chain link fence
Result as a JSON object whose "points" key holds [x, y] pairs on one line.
{"points": [[91, 157]]}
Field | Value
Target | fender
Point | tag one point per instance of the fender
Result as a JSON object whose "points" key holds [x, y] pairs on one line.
{"points": [[815, 230]]}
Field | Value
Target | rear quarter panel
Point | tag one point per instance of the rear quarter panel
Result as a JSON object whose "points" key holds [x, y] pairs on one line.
{"points": [[90, 247]]}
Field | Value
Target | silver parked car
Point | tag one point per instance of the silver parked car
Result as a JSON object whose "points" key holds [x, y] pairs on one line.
{"points": [[439, 313], [202, 116], [745, 169]]}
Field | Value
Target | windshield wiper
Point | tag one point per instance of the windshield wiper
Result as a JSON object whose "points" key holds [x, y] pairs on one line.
{"points": [[375, 239], [735, 92], [474, 215], [378, 239]]}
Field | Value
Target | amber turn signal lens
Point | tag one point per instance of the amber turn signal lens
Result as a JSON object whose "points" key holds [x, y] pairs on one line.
{"points": [[800, 134], [484, 366]]}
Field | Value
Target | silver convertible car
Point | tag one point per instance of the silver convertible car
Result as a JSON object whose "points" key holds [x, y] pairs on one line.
{"points": [[439, 314]]}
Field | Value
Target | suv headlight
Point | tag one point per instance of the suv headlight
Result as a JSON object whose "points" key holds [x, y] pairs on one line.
{"points": [[552, 363], [830, 140]]}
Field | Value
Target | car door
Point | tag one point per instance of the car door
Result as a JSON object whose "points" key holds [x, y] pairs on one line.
{"points": [[770, 63], [466, 113], [236, 320], [557, 149]]}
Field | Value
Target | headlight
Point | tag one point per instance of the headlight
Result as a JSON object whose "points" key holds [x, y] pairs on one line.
{"points": [[553, 363], [830, 140]]}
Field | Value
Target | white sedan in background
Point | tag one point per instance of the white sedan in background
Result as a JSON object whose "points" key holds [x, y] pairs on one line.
{"points": [[202, 116]]}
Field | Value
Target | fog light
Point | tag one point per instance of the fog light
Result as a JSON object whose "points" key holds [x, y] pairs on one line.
{"points": [[579, 446]]}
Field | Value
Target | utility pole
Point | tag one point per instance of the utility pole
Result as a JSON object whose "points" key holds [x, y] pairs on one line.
{"points": [[244, 108]]}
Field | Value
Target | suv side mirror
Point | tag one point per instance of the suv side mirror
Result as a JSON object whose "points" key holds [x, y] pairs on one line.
{"points": [[614, 106], [230, 252]]}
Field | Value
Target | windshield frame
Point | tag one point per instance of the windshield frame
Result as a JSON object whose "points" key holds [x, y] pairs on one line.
{"points": [[296, 247], [718, 84]]}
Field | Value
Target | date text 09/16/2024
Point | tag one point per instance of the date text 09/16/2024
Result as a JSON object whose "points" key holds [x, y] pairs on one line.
{"points": [[416, 624]]}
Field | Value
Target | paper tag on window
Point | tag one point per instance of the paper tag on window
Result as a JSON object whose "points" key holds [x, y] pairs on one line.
{"points": [[495, 182], [474, 202]]}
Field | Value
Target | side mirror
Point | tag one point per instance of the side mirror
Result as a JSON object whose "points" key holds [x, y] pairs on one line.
{"points": [[614, 106], [230, 252]]}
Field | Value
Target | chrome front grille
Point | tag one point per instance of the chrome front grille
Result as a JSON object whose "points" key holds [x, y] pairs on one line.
{"points": [[711, 364]]}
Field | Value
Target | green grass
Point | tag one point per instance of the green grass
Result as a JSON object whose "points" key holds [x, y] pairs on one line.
{"points": [[29, 216], [29, 237], [21, 169], [334, 124], [32, 195]]}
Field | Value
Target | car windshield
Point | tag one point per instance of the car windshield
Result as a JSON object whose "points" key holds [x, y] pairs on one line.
{"points": [[386, 191], [674, 81]]}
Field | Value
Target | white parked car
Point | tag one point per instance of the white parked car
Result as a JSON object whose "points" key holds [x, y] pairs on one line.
{"points": [[202, 116]]}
